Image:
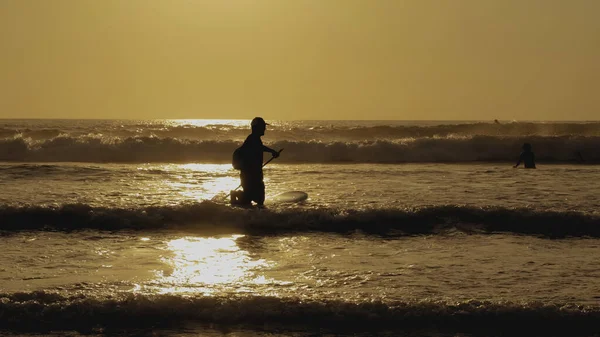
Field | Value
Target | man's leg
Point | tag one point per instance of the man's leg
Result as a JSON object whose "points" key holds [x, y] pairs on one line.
{"points": [[254, 190], [239, 198], [260, 193], [243, 197]]}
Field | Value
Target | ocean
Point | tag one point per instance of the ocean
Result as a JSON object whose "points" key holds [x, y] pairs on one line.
{"points": [[411, 228]]}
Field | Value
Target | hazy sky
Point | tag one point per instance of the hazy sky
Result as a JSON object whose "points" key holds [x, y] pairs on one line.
{"points": [[300, 59]]}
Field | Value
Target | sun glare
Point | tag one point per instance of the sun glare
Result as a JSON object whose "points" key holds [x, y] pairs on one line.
{"points": [[207, 265]]}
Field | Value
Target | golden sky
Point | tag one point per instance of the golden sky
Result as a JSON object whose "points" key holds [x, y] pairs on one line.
{"points": [[301, 59]]}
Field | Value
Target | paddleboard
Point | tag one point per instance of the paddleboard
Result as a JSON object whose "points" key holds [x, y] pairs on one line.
{"points": [[292, 196]]}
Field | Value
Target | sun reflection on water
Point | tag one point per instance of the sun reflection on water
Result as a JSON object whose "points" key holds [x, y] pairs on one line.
{"points": [[212, 168], [208, 122], [209, 265], [201, 181]]}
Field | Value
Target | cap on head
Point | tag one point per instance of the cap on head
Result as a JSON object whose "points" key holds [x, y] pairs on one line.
{"points": [[258, 121], [527, 147]]}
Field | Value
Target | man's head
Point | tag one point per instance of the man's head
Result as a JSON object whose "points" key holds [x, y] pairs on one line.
{"points": [[258, 126]]}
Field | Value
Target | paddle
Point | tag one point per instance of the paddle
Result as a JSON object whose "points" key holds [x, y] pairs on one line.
{"points": [[268, 161]]}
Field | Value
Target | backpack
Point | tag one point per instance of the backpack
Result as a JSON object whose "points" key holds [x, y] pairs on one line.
{"points": [[238, 158]]}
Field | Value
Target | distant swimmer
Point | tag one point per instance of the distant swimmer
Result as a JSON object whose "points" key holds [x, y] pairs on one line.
{"points": [[249, 160], [527, 157], [496, 121]]}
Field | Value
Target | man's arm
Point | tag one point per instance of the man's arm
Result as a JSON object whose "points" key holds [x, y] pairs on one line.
{"points": [[519, 162], [273, 152]]}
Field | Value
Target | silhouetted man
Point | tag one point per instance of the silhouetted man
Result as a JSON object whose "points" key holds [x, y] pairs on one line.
{"points": [[251, 173], [527, 157]]}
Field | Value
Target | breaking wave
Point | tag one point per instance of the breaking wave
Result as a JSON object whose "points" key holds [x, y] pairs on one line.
{"points": [[297, 131], [44, 311], [211, 217], [173, 150]]}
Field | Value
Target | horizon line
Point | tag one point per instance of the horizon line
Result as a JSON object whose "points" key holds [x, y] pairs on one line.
{"points": [[298, 120]]}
